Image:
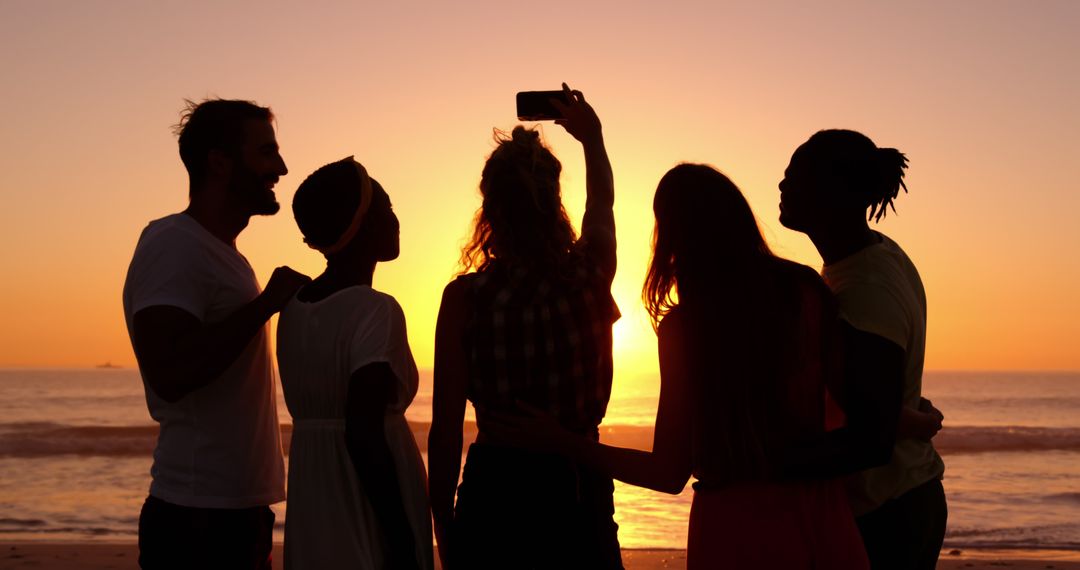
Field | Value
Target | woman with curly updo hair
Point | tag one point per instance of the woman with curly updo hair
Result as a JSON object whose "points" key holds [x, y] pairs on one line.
{"points": [[522, 221], [528, 324]]}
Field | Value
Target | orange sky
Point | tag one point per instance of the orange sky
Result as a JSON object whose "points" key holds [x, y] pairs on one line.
{"points": [[981, 95]]}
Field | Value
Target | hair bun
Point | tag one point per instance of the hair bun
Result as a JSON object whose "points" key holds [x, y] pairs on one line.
{"points": [[521, 135]]}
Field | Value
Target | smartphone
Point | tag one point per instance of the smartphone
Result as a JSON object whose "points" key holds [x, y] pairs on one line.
{"points": [[536, 105]]}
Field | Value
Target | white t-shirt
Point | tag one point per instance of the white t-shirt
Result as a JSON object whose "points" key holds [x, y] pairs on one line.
{"points": [[879, 291], [220, 445]]}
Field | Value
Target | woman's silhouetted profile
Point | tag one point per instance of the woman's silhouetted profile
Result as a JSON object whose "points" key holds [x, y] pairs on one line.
{"points": [[357, 489]]}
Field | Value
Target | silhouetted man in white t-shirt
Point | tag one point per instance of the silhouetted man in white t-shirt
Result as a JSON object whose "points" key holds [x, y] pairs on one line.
{"points": [[197, 322]]}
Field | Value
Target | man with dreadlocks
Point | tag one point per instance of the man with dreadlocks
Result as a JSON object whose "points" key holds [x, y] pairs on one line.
{"points": [[831, 181]]}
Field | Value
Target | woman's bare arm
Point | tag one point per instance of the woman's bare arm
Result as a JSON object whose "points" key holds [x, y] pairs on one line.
{"points": [[598, 223], [372, 389], [448, 413]]}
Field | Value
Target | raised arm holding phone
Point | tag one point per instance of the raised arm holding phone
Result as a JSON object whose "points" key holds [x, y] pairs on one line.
{"points": [[528, 281]]}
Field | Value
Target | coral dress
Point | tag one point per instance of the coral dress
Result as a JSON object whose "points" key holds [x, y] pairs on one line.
{"points": [[737, 522], [774, 525]]}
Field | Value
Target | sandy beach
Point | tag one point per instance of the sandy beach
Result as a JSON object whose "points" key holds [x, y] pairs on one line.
{"points": [[123, 556]]}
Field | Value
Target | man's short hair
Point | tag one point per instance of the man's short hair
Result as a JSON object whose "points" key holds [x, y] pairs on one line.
{"points": [[213, 124]]}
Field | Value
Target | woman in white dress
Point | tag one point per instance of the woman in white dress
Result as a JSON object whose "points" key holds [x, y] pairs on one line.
{"points": [[357, 488]]}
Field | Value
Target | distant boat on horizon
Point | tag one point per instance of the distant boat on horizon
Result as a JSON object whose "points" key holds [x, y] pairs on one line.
{"points": [[108, 364]]}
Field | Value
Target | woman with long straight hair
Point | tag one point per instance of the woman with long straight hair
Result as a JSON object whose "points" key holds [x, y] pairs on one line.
{"points": [[529, 320]]}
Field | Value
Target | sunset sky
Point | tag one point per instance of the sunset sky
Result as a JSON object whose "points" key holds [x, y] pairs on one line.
{"points": [[981, 95]]}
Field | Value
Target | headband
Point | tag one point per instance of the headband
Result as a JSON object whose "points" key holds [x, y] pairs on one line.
{"points": [[361, 209]]}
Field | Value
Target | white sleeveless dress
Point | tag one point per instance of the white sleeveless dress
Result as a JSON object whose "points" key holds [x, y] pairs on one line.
{"points": [[329, 522]]}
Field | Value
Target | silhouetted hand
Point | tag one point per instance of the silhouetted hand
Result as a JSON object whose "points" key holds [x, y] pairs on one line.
{"points": [[579, 118], [530, 428], [936, 417], [922, 423], [283, 284]]}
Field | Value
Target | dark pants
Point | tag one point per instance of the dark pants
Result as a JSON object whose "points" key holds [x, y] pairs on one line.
{"points": [[171, 536], [906, 532], [521, 509]]}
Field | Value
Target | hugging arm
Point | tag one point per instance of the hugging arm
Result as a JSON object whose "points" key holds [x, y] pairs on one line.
{"points": [[448, 414], [667, 468], [372, 389], [870, 392]]}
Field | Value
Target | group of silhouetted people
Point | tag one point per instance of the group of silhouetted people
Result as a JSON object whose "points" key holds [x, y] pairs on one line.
{"points": [[793, 398]]}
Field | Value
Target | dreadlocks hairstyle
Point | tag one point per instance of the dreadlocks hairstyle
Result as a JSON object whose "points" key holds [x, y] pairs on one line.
{"points": [[873, 175], [521, 221]]}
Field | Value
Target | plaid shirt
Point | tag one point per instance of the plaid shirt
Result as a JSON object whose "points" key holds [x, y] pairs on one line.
{"points": [[542, 339]]}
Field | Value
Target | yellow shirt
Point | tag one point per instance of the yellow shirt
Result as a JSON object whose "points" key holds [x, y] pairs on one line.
{"points": [[879, 291]]}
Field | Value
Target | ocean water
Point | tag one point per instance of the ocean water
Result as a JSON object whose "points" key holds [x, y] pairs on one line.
{"points": [[75, 451]]}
